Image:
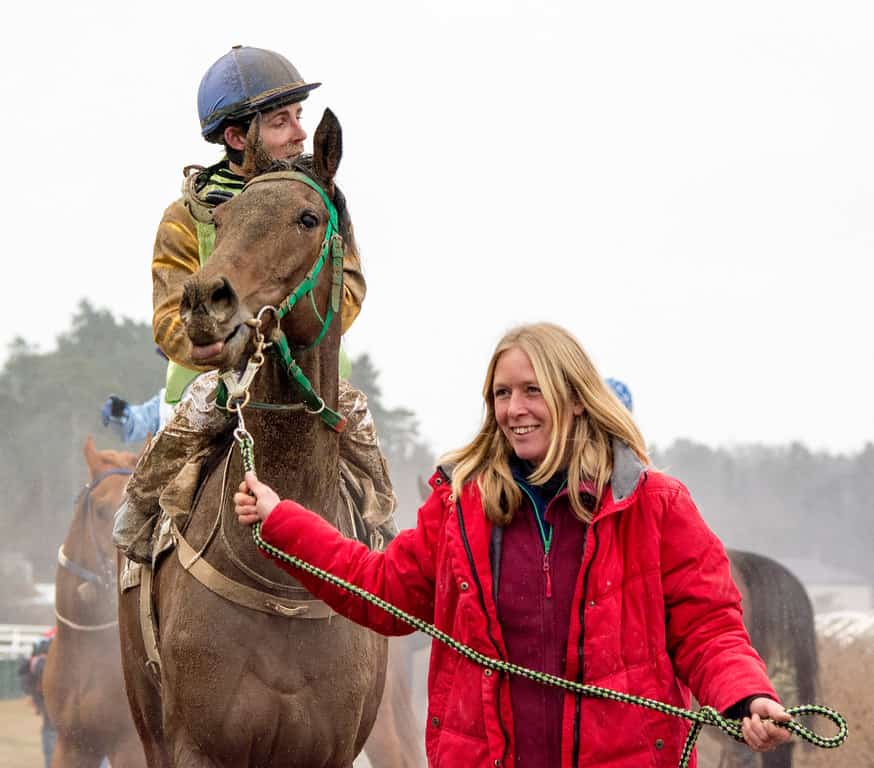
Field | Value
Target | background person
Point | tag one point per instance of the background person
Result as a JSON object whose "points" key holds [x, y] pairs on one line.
{"points": [[552, 544]]}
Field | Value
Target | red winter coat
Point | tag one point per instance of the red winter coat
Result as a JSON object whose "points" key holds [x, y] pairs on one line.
{"points": [[654, 611]]}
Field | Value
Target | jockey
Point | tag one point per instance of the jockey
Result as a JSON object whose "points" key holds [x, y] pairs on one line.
{"points": [[243, 83], [134, 423]]}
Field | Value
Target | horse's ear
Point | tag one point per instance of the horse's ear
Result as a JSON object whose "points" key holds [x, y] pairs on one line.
{"points": [[256, 159], [327, 147], [90, 453]]}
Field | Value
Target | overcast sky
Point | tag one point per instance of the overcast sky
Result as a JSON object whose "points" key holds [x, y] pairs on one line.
{"points": [[687, 186]]}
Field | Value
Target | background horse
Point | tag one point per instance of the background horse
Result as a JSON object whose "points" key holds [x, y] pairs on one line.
{"points": [[779, 616], [82, 683], [241, 686]]}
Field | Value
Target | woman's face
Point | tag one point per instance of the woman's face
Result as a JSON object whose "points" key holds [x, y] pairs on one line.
{"points": [[520, 409]]}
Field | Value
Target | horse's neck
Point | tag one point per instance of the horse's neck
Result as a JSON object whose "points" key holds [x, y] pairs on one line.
{"points": [[295, 453]]}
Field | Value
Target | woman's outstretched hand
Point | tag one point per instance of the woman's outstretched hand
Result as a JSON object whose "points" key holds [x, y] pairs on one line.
{"points": [[759, 733], [254, 500]]}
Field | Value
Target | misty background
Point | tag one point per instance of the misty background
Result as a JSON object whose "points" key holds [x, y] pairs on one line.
{"points": [[810, 510], [686, 186]]}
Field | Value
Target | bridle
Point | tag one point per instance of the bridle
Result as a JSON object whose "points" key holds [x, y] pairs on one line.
{"points": [[105, 576], [233, 391]]}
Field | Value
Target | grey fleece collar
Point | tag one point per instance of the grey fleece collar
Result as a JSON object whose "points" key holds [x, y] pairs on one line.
{"points": [[627, 470]]}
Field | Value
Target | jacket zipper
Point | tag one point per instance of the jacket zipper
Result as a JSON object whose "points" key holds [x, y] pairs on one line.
{"points": [[479, 587], [546, 540], [579, 697]]}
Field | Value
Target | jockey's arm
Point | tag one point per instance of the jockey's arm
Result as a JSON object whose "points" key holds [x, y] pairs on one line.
{"points": [[354, 286], [176, 258]]}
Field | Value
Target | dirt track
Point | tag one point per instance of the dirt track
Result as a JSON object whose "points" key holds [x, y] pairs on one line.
{"points": [[19, 735]]}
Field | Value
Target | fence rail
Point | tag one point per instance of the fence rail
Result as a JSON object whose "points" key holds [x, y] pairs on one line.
{"points": [[17, 640]]}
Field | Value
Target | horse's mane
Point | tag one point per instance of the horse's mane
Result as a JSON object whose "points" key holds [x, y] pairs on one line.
{"points": [[304, 164]]}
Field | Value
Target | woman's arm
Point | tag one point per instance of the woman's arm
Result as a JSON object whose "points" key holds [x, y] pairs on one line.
{"points": [[403, 574]]}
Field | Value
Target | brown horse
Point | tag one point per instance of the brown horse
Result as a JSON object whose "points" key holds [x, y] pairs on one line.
{"points": [[239, 686], [83, 685]]}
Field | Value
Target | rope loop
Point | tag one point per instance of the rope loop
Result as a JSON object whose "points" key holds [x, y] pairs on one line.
{"points": [[704, 716]]}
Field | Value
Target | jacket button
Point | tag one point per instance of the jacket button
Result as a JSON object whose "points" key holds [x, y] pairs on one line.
{"points": [[659, 743], [464, 586], [451, 497], [438, 481], [497, 763], [435, 721], [487, 672], [591, 603]]}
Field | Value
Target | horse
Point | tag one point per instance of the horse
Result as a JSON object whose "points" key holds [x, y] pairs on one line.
{"points": [[82, 682], [778, 615], [280, 680], [398, 738]]}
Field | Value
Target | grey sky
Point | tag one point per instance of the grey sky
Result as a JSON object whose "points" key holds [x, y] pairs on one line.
{"points": [[685, 185]]}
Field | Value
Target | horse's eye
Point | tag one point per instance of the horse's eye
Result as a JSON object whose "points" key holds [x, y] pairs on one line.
{"points": [[309, 219]]}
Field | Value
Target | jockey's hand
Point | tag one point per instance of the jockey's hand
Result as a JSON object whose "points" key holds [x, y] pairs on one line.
{"points": [[115, 409], [254, 500], [759, 732]]}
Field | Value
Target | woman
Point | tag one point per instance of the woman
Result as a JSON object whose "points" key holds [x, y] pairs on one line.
{"points": [[550, 543]]}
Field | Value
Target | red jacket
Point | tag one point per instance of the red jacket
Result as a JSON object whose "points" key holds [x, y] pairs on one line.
{"points": [[655, 610]]}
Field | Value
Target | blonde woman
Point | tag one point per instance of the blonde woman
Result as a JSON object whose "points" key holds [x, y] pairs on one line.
{"points": [[548, 541]]}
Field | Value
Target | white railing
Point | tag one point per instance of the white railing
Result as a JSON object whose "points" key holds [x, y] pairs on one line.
{"points": [[17, 640], [846, 626]]}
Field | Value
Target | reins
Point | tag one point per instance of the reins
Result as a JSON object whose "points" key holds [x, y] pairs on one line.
{"points": [[104, 580]]}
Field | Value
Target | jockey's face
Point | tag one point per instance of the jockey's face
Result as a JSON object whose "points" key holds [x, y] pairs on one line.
{"points": [[281, 132]]}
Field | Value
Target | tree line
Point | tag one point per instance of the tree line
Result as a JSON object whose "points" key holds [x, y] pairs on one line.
{"points": [[784, 501]]}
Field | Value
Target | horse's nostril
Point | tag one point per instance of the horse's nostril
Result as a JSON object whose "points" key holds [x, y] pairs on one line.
{"points": [[223, 294]]}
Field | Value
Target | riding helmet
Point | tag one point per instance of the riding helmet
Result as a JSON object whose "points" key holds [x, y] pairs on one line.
{"points": [[243, 82]]}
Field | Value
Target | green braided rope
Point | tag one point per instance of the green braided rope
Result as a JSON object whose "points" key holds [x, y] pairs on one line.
{"points": [[704, 716]]}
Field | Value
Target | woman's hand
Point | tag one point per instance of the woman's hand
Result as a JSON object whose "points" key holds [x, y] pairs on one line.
{"points": [[254, 500], [759, 733]]}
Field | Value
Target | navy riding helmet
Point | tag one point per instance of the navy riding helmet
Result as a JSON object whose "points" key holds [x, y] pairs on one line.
{"points": [[245, 81]]}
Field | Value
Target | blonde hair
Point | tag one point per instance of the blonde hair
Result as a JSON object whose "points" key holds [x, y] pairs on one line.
{"points": [[583, 443]]}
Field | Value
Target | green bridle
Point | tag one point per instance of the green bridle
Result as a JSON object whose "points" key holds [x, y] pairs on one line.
{"points": [[236, 391]]}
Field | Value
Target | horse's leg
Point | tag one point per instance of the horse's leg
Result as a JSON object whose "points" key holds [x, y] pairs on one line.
{"points": [[68, 754], [128, 753], [396, 738]]}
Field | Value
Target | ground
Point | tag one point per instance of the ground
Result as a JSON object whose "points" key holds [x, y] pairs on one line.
{"points": [[847, 685], [19, 735]]}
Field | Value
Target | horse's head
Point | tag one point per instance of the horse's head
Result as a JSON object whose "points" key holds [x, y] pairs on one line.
{"points": [[268, 240], [95, 509]]}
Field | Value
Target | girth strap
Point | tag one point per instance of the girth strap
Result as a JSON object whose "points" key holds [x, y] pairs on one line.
{"points": [[248, 597]]}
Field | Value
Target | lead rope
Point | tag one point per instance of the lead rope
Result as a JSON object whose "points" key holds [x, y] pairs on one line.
{"points": [[700, 718]]}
